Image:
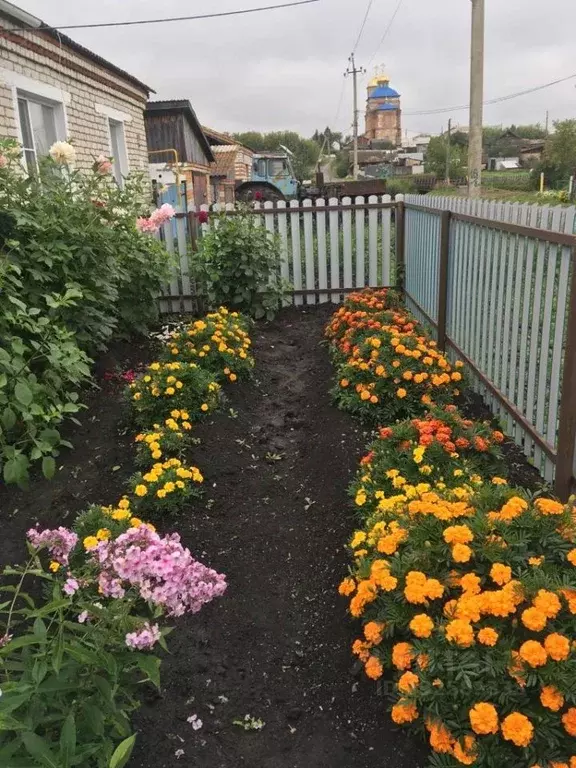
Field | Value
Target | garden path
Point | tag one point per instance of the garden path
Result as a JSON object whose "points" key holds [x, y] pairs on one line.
{"points": [[277, 646]]}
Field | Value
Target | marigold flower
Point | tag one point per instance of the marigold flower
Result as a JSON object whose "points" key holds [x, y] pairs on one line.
{"points": [[461, 553], [569, 721], [441, 740], [373, 632], [458, 534], [551, 698], [402, 655], [140, 490], [518, 729], [533, 653], [374, 668], [460, 632], [465, 750], [501, 574], [404, 712], [488, 636], [470, 583], [401, 393], [422, 625], [90, 542], [407, 682], [549, 507], [534, 619], [484, 718], [548, 603], [571, 556], [557, 646]]}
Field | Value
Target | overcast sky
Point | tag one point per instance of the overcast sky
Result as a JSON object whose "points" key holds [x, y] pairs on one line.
{"points": [[283, 69]]}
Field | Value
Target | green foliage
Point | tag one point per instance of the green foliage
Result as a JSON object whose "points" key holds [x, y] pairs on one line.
{"points": [[436, 154], [305, 151], [238, 266], [74, 270], [559, 160]]}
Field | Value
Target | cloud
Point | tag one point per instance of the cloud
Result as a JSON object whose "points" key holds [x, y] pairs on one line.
{"points": [[283, 69]]}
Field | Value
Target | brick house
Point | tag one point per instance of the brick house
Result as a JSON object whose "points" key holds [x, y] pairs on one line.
{"points": [[53, 89]]}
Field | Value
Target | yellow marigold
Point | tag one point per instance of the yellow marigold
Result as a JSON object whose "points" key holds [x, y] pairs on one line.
{"points": [[373, 632], [358, 538], [422, 625], [548, 603], [347, 587], [401, 393], [470, 583], [534, 619], [374, 668], [535, 561], [460, 632], [571, 556], [488, 636], [517, 729], [90, 542], [533, 653], [569, 721], [404, 712], [103, 534], [484, 718], [54, 566], [402, 655], [140, 490], [549, 507], [458, 534], [461, 553], [422, 660], [557, 646], [407, 682], [434, 590], [551, 698], [501, 574], [465, 750]]}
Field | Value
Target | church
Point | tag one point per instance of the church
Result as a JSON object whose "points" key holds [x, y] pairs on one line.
{"points": [[383, 112]]}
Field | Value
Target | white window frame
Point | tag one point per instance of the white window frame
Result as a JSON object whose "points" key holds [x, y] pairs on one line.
{"points": [[117, 118], [26, 88]]}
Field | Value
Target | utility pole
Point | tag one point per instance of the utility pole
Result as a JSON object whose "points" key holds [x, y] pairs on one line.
{"points": [[355, 72], [547, 121], [476, 99], [448, 138]]}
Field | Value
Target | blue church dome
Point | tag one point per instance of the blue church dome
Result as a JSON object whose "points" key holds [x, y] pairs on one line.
{"points": [[384, 92], [386, 107]]}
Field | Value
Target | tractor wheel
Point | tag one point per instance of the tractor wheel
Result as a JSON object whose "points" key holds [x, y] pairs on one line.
{"points": [[258, 193]]}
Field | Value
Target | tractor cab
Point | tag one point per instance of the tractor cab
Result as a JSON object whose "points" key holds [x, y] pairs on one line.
{"points": [[272, 179]]}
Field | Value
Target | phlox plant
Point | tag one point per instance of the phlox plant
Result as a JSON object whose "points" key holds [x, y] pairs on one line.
{"points": [[392, 375], [471, 600], [165, 488], [164, 387], [71, 667], [173, 439], [219, 343], [443, 450]]}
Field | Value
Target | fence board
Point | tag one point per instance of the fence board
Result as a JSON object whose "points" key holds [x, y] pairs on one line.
{"points": [[373, 243], [309, 250], [284, 253], [321, 239], [387, 278], [334, 217], [347, 248], [296, 252], [360, 244]]}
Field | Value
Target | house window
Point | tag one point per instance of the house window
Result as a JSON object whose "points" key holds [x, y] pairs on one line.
{"points": [[118, 150], [40, 121]]}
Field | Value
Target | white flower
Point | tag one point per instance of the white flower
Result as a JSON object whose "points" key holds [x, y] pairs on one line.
{"points": [[62, 153]]}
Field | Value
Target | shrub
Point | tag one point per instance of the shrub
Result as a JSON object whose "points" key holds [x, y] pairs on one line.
{"points": [[71, 668], [168, 386], [349, 328], [172, 439], [442, 450], [471, 599], [391, 375], [218, 342], [165, 488], [238, 265]]}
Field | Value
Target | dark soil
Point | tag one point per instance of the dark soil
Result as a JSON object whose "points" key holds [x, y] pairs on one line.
{"points": [[275, 519]]}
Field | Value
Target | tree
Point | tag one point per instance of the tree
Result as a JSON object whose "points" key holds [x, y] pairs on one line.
{"points": [[305, 151], [560, 150], [435, 161], [327, 138]]}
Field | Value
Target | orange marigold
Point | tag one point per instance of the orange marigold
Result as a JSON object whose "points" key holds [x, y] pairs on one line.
{"points": [[517, 729], [374, 668], [458, 534], [460, 632], [548, 603], [465, 750], [422, 625], [347, 587], [471, 583], [488, 636], [404, 712], [461, 553], [534, 619], [569, 721], [533, 653], [557, 646], [373, 632], [484, 718], [571, 556], [549, 506], [402, 655], [441, 740], [407, 682], [501, 574], [551, 698]]}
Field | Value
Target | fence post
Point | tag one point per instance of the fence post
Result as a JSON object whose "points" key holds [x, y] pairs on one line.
{"points": [[567, 414], [443, 277], [400, 235]]}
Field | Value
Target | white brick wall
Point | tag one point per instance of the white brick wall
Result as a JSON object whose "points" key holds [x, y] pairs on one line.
{"points": [[87, 128]]}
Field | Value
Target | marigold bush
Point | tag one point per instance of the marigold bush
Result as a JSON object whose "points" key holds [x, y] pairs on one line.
{"points": [[392, 375], [441, 450], [218, 342], [176, 385], [172, 439], [471, 599], [165, 488]]}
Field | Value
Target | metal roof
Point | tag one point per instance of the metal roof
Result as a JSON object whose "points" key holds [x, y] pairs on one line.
{"points": [[383, 92], [184, 107]]}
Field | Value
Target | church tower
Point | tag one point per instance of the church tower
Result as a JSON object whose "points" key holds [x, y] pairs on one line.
{"points": [[383, 112]]}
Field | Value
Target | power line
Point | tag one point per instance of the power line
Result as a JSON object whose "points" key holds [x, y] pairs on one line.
{"points": [[369, 6], [386, 31], [163, 20], [498, 100]]}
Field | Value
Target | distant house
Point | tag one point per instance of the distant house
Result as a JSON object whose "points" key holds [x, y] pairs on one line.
{"points": [[175, 136], [53, 89], [532, 151], [504, 164], [233, 162]]}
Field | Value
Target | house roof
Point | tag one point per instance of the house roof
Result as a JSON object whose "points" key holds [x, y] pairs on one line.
{"points": [[225, 157], [26, 20], [181, 106]]}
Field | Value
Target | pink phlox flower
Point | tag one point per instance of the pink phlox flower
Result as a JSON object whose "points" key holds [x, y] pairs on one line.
{"points": [[145, 638], [59, 541], [83, 617], [71, 586]]}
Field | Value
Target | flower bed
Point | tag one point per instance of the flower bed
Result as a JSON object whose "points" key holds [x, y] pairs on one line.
{"points": [[72, 663], [466, 591]]}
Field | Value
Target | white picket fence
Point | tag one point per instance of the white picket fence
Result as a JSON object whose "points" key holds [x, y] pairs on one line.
{"points": [[507, 303], [326, 247]]}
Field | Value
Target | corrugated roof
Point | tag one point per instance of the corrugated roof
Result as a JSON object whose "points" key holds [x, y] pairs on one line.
{"points": [[183, 106], [225, 160], [23, 19]]}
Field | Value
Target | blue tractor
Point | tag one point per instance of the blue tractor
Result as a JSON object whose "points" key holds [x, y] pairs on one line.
{"points": [[272, 179]]}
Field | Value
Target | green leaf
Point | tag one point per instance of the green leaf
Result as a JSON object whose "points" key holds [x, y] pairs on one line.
{"points": [[8, 418], [151, 666], [48, 467], [23, 393], [122, 752], [38, 748], [68, 741]]}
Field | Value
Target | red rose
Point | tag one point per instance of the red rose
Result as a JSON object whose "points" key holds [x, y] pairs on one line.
{"points": [[258, 196], [202, 217]]}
